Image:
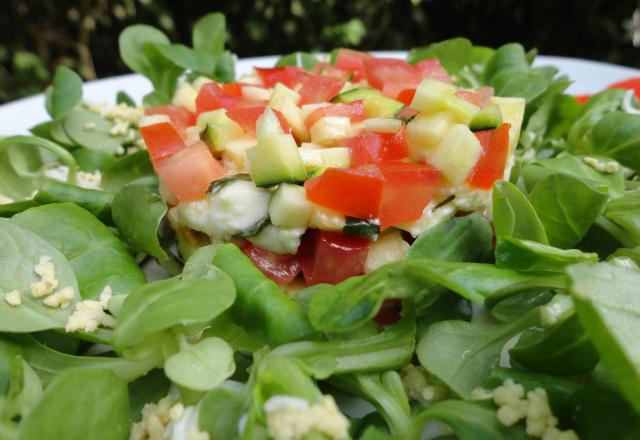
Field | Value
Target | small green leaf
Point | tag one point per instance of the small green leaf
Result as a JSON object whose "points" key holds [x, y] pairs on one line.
{"points": [[210, 34], [98, 137], [201, 366], [137, 213], [64, 94], [608, 305], [132, 168], [513, 214], [100, 390]]}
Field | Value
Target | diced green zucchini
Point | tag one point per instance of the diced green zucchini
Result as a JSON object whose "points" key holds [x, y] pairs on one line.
{"points": [[487, 119], [236, 150], [336, 157], [355, 94], [456, 154], [286, 104], [361, 228], [289, 206], [220, 129], [267, 124], [275, 160], [278, 240], [432, 96], [381, 107], [425, 132]]}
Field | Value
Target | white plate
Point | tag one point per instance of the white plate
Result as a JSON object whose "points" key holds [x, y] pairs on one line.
{"points": [[18, 116]]}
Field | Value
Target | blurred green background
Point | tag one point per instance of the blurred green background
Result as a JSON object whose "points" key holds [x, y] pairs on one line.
{"points": [[37, 35]]}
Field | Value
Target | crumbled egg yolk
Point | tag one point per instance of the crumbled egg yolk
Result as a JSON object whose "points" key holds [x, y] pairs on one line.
{"points": [[48, 283], [13, 298], [90, 314], [158, 417]]}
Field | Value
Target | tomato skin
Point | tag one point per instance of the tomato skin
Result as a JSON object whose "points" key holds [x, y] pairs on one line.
{"points": [[282, 269], [490, 166], [320, 89], [353, 110], [383, 71], [329, 70], [368, 147], [408, 188], [431, 68], [248, 116], [189, 172], [288, 75], [162, 140], [480, 97], [353, 192], [352, 61], [181, 118], [406, 96], [389, 313], [582, 98], [332, 257], [629, 84]]}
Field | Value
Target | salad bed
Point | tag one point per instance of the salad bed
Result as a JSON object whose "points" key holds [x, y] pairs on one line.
{"points": [[450, 241]]}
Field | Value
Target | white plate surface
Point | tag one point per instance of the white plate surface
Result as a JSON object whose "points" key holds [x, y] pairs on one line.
{"points": [[18, 116]]}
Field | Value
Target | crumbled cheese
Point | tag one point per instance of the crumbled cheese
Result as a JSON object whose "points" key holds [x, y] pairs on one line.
{"points": [[422, 386], [119, 128], [88, 315], [48, 281], [84, 179], [602, 167], [534, 409], [90, 126], [481, 394], [5, 200], [168, 419], [292, 418], [13, 298], [62, 298], [120, 112]]}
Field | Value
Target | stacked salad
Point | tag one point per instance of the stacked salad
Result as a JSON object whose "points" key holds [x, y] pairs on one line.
{"points": [[352, 247]]}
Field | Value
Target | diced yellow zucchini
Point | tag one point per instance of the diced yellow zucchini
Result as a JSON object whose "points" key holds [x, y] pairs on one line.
{"points": [[256, 93], [199, 82], [388, 248], [284, 100], [336, 157], [512, 110], [219, 127], [185, 96], [431, 96], [268, 124], [307, 109], [382, 125], [330, 130], [326, 219], [456, 154], [236, 150], [462, 110], [381, 107], [425, 132]]}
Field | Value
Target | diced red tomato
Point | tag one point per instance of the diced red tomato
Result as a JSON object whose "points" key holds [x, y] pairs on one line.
{"points": [[406, 96], [162, 140], [212, 97], [408, 188], [247, 118], [353, 110], [389, 313], [369, 147], [352, 61], [431, 68], [181, 118], [354, 192], [189, 172], [332, 257], [582, 98], [289, 76], [282, 269], [329, 70], [320, 89], [480, 97], [495, 149], [232, 89], [382, 71], [393, 192], [630, 84], [393, 89]]}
